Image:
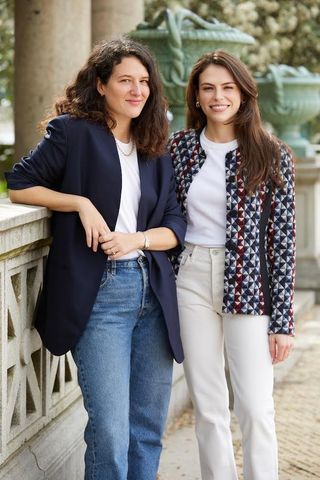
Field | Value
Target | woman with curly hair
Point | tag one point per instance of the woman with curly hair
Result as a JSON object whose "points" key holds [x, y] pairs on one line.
{"points": [[109, 292], [235, 182]]}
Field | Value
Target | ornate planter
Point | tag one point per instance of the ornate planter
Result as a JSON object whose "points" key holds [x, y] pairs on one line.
{"points": [[177, 40], [288, 98]]}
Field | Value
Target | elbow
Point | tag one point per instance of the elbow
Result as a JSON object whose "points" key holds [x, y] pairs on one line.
{"points": [[14, 196]]}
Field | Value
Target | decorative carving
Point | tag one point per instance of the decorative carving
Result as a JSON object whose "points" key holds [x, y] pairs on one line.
{"points": [[36, 386], [289, 97], [23, 405], [177, 40]]}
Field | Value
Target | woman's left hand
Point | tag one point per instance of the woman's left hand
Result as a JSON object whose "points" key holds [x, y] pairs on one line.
{"points": [[280, 346], [117, 244]]}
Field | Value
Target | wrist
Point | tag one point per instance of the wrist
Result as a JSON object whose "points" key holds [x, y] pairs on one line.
{"points": [[80, 203], [145, 241]]}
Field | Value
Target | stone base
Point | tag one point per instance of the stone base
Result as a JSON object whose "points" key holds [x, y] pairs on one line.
{"points": [[308, 276], [55, 453]]}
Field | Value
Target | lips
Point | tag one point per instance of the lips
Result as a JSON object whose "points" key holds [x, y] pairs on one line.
{"points": [[135, 102], [219, 108]]}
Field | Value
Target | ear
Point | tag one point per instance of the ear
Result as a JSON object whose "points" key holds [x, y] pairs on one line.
{"points": [[100, 87]]}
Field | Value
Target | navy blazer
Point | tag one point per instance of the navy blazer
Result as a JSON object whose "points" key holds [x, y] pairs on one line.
{"points": [[80, 157]]}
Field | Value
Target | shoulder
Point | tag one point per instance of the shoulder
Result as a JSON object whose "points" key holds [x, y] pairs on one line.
{"points": [[70, 123], [182, 136]]}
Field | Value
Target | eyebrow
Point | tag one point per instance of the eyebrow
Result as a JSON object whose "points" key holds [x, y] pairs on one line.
{"points": [[126, 75], [212, 84]]}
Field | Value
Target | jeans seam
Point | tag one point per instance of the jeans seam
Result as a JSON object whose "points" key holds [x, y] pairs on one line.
{"points": [[85, 390], [144, 287]]}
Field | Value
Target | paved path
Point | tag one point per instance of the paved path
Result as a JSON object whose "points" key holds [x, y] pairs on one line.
{"points": [[297, 398]]}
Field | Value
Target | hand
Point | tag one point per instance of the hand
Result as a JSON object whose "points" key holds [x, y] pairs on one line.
{"points": [[117, 244], [280, 346], [93, 223]]}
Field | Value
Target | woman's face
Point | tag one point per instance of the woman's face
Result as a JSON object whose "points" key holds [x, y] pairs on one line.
{"points": [[219, 96], [127, 89]]}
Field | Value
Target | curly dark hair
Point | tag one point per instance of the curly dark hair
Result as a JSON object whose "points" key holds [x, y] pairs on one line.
{"points": [[82, 100], [260, 151]]}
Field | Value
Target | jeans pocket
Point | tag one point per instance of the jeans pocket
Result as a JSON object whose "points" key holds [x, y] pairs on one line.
{"points": [[105, 279], [184, 257]]}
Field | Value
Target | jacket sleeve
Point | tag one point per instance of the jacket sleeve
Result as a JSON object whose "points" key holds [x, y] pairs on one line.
{"points": [[173, 217], [44, 166], [281, 249]]}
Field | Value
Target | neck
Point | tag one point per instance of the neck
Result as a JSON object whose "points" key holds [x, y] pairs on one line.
{"points": [[122, 131], [220, 133]]}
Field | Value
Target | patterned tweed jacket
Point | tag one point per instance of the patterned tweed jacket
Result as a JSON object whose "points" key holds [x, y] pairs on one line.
{"points": [[260, 234]]}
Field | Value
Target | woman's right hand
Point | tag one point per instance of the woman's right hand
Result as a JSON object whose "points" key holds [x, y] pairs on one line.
{"points": [[93, 222]]}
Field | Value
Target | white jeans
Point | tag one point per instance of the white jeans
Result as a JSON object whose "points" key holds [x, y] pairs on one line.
{"points": [[205, 331]]}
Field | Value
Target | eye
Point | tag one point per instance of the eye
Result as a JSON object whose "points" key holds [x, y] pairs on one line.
{"points": [[228, 87], [206, 89], [145, 82]]}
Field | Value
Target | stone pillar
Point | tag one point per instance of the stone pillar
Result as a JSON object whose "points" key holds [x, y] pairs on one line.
{"points": [[308, 224], [111, 18], [53, 40]]}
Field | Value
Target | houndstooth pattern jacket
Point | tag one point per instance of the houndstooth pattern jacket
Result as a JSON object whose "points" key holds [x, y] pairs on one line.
{"points": [[260, 234]]}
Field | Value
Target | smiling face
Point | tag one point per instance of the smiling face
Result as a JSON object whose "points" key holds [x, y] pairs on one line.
{"points": [[219, 96], [127, 90]]}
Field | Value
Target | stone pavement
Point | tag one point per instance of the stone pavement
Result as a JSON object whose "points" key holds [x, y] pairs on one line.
{"points": [[297, 399]]}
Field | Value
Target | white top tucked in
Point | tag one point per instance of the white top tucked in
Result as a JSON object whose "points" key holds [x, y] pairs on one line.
{"points": [[206, 203], [130, 192]]}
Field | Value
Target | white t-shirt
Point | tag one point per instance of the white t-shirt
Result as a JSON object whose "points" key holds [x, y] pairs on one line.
{"points": [[130, 193], [206, 201]]}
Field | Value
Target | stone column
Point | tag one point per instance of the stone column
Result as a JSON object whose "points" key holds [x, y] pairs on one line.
{"points": [[111, 18], [53, 39], [308, 224]]}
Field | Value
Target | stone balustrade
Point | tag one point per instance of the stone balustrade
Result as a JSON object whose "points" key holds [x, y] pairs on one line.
{"points": [[35, 385], [42, 417]]}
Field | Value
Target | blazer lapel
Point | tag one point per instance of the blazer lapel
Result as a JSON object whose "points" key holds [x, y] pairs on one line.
{"points": [[144, 171]]}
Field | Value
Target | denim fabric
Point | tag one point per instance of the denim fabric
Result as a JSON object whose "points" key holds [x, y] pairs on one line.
{"points": [[124, 365]]}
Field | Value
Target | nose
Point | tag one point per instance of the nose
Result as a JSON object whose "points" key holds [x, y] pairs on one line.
{"points": [[136, 88], [218, 93]]}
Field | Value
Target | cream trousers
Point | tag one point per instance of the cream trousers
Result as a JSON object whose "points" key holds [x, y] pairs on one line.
{"points": [[205, 331]]}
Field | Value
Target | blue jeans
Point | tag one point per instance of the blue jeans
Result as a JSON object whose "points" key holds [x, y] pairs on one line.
{"points": [[124, 365]]}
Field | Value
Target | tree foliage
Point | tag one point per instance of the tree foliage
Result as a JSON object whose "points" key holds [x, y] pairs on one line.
{"points": [[286, 31], [6, 49]]}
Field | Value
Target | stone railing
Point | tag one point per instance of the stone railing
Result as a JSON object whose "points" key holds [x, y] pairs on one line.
{"points": [[35, 385], [40, 402]]}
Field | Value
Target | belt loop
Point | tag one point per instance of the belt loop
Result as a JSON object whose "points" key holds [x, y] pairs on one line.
{"points": [[113, 267]]}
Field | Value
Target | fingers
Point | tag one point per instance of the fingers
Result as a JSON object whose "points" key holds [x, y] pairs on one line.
{"points": [[93, 237], [280, 347], [272, 348], [113, 251]]}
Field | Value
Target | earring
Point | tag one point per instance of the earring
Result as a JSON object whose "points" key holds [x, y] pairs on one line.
{"points": [[197, 104]]}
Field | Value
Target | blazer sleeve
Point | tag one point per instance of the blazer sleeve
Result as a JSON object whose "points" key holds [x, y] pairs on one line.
{"points": [[173, 217], [44, 166], [281, 249]]}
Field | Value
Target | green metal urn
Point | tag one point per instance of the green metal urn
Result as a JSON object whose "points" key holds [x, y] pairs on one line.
{"points": [[177, 40], [288, 98]]}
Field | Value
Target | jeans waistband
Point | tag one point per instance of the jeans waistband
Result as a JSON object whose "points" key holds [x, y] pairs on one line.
{"points": [[137, 262], [203, 252]]}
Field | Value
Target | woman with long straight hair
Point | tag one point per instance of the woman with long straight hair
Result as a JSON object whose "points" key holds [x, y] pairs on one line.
{"points": [[109, 291], [235, 183]]}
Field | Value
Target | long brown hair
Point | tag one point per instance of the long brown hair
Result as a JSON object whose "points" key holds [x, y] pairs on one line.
{"points": [[260, 151], [82, 100]]}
